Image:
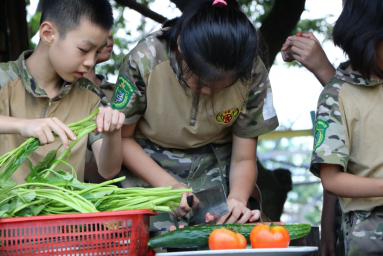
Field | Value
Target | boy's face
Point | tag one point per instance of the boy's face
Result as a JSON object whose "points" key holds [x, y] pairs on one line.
{"points": [[75, 54]]}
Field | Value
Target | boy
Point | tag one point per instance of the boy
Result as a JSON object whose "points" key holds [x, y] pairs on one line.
{"points": [[44, 90]]}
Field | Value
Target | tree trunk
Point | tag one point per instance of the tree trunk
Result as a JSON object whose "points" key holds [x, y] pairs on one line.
{"points": [[278, 25], [145, 11], [13, 29]]}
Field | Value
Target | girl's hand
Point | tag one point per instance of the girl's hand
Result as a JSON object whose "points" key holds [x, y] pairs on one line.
{"points": [[185, 207], [109, 120], [238, 213], [306, 49]]}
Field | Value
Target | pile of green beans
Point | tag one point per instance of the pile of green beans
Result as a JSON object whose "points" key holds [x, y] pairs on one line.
{"points": [[51, 190]]}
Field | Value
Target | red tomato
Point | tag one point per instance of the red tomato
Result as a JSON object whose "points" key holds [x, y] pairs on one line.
{"points": [[242, 242], [222, 238], [265, 236]]}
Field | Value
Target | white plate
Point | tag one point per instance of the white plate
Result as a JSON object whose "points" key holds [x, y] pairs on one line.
{"points": [[292, 250]]}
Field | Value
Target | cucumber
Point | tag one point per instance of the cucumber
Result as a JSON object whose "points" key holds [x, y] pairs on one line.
{"points": [[198, 236]]}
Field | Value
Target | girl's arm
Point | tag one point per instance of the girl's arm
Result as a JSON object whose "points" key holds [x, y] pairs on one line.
{"points": [[141, 164], [348, 185], [243, 175]]}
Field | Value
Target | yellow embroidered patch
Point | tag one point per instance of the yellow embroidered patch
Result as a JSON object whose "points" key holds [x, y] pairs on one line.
{"points": [[227, 116]]}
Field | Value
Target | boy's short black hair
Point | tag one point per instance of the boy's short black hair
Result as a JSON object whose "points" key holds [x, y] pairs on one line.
{"points": [[359, 31], [67, 14]]}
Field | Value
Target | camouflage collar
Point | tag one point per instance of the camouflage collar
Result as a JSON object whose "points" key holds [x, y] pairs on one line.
{"points": [[30, 85], [345, 73]]}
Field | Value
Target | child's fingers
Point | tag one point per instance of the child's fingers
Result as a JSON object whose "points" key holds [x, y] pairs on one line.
{"points": [[297, 51], [287, 57], [42, 137], [115, 120], [246, 215], [107, 120], [285, 45], [223, 219], [70, 134], [48, 135], [172, 228], [59, 131], [184, 204], [302, 42], [309, 35], [100, 120], [121, 119], [255, 215]]}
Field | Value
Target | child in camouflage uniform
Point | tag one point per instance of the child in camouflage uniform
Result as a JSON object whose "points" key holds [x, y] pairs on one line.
{"points": [[348, 130], [44, 90], [196, 97], [306, 49]]}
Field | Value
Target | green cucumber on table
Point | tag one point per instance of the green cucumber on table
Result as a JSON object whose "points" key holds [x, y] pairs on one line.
{"points": [[198, 236]]}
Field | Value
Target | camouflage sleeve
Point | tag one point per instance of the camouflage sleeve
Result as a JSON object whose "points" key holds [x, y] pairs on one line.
{"points": [[7, 73], [330, 141], [258, 116], [129, 94]]}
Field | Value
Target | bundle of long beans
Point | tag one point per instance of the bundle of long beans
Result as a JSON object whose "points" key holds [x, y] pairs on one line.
{"points": [[51, 190]]}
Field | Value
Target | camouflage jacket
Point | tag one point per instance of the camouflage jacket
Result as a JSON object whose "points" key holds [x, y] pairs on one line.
{"points": [[348, 130]]}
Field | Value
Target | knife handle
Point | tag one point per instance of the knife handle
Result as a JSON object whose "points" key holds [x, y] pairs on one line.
{"points": [[190, 200]]}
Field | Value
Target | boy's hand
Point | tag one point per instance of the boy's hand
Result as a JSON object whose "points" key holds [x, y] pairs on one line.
{"points": [[44, 128], [109, 120]]}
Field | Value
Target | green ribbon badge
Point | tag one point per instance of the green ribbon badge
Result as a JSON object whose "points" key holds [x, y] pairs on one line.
{"points": [[123, 92], [320, 132]]}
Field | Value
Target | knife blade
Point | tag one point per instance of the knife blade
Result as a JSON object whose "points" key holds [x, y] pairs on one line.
{"points": [[212, 200]]}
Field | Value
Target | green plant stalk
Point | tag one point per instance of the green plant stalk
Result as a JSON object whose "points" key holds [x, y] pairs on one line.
{"points": [[54, 188], [105, 183]]}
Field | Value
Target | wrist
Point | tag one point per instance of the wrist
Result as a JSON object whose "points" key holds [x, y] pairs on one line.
{"points": [[238, 198], [178, 185], [18, 125], [325, 73]]}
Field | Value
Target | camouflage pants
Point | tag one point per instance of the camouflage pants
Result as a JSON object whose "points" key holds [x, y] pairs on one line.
{"points": [[198, 168], [363, 232]]}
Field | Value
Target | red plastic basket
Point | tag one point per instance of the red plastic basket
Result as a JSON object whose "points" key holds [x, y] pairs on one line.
{"points": [[93, 234]]}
